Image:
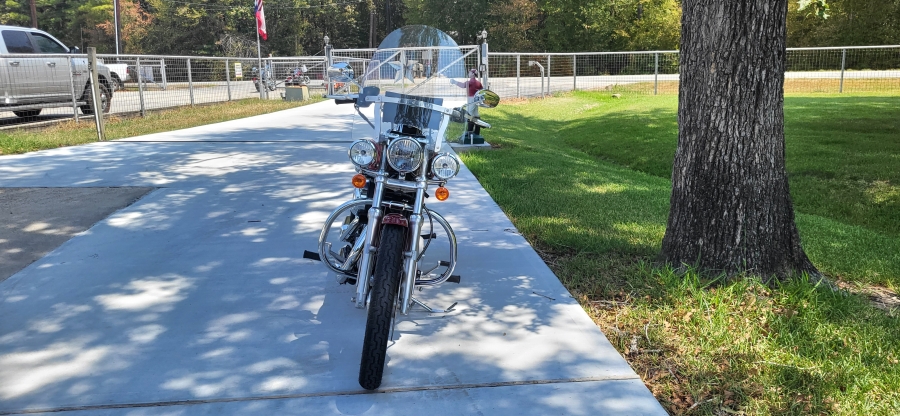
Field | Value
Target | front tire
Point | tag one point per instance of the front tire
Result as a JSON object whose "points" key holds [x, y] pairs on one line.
{"points": [[385, 283]]}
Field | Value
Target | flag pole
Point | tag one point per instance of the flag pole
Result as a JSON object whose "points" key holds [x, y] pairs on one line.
{"points": [[261, 83]]}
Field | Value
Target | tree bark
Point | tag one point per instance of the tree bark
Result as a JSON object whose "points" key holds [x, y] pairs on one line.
{"points": [[731, 210]]}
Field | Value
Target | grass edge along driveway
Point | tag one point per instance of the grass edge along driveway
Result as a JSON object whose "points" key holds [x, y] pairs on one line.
{"points": [[575, 173]]}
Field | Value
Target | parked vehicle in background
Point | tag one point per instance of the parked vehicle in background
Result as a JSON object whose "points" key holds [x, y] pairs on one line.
{"points": [[119, 73], [35, 73]]}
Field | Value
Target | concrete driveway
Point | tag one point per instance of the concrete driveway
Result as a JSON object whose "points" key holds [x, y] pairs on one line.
{"points": [[196, 299]]}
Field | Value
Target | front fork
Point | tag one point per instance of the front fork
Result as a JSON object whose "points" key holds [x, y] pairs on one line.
{"points": [[410, 262], [365, 261], [411, 257]]}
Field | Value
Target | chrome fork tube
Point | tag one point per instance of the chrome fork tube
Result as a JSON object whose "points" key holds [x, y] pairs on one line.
{"points": [[415, 230], [368, 251]]}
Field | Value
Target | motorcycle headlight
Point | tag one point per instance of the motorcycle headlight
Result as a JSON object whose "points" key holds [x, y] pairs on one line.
{"points": [[445, 166], [362, 153], [405, 155]]}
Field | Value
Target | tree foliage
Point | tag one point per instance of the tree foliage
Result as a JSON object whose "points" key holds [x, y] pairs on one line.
{"points": [[843, 23], [227, 27]]}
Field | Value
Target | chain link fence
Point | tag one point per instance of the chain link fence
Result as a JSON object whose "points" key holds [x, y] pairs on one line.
{"points": [[833, 70], [155, 82], [57, 84], [46, 83]]}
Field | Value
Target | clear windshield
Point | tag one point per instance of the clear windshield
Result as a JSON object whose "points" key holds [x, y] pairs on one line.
{"points": [[418, 60], [421, 63]]}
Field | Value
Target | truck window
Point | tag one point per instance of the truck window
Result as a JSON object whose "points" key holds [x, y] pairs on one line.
{"points": [[17, 42], [48, 45]]}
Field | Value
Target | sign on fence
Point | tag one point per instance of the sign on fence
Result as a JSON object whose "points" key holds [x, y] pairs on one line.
{"points": [[238, 71]]}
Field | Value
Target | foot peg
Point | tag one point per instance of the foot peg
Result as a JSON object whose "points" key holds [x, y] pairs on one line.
{"points": [[311, 255], [429, 309], [453, 279]]}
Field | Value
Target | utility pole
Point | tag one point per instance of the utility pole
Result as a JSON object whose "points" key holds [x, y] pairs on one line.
{"points": [[118, 23], [372, 28], [33, 15], [387, 16]]}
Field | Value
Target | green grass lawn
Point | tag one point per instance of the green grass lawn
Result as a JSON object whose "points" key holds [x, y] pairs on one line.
{"points": [[585, 177]]}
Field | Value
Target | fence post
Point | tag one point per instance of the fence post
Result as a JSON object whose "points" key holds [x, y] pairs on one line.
{"points": [[574, 72], [329, 87], [72, 88], [656, 73], [485, 63], [228, 78], [190, 82], [518, 74], [843, 66], [96, 101], [162, 72], [140, 77], [549, 74]]}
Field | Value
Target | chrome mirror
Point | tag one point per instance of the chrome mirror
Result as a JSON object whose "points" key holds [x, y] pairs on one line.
{"points": [[341, 72], [487, 98]]}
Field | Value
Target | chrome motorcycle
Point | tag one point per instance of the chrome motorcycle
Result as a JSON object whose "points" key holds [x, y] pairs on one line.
{"points": [[377, 240]]}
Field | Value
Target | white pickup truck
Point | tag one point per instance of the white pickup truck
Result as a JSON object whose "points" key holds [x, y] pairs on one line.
{"points": [[37, 71], [119, 74]]}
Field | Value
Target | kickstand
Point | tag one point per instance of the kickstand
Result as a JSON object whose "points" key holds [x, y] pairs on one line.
{"points": [[429, 309]]}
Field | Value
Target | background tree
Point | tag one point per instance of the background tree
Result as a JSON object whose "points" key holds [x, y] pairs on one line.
{"points": [[513, 26], [463, 20], [15, 13], [843, 23], [731, 209], [134, 24], [605, 25]]}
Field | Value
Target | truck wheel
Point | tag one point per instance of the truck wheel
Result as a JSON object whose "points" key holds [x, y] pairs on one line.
{"points": [[27, 113], [105, 100], [117, 82]]}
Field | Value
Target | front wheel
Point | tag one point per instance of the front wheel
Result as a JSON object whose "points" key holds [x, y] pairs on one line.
{"points": [[385, 283]]}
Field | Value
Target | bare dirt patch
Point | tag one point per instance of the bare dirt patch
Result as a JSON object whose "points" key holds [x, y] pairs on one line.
{"points": [[35, 221]]}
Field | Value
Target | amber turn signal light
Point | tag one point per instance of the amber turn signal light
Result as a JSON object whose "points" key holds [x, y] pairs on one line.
{"points": [[442, 193], [359, 181]]}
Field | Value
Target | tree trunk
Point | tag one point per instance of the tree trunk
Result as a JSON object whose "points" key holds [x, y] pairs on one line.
{"points": [[731, 210]]}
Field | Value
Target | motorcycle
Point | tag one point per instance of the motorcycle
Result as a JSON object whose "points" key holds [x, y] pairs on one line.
{"points": [[265, 78], [297, 76], [377, 240]]}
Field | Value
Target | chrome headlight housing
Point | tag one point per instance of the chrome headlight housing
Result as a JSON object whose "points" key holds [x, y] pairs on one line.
{"points": [[405, 155], [363, 153], [445, 166]]}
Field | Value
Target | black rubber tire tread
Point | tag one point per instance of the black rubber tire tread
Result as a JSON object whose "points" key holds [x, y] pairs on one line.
{"points": [[27, 113], [386, 282], [88, 109]]}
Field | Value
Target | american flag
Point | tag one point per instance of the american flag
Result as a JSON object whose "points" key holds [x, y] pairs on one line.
{"points": [[260, 19]]}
